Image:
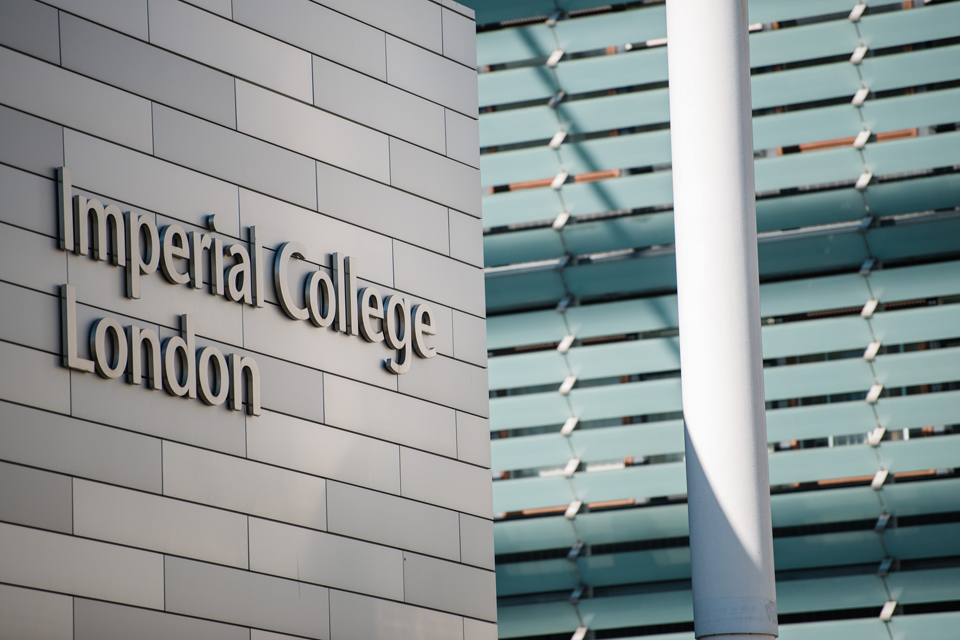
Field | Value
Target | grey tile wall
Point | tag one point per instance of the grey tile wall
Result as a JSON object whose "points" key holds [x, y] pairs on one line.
{"points": [[476, 541], [137, 67], [425, 580], [458, 38], [23, 195], [240, 485], [30, 143], [359, 513], [473, 439], [242, 597], [27, 614], [32, 28], [67, 564], [294, 125], [357, 617], [321, 558], [380, 208], [415, 20], [30, 318], [391, 416], [324, 451], [228, 46], [84, 449], [361, 98], [50, 92], [35, 498], [478, 630], [127, 16], [232, 156], [434, 177], [357, 504], [310, 26], [465, 487], [96, 620], [147, 521], [432, 76]]}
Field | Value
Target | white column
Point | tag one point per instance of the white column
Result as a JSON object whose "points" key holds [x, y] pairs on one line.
{"points": [[731, 542]]}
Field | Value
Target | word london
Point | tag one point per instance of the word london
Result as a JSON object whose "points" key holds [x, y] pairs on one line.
{"points": [[175, 364]]}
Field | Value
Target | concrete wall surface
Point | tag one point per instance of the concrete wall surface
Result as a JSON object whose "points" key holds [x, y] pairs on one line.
{"points": [[357, 504]]}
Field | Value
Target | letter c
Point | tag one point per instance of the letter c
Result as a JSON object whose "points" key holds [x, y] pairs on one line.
{"points": [[286, 251]]}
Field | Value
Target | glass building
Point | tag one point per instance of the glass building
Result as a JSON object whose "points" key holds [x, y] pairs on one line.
{"points": [[857, 156]]}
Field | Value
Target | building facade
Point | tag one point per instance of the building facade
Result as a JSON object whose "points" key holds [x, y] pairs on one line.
{"points": [[857, 155], [243, 387]]}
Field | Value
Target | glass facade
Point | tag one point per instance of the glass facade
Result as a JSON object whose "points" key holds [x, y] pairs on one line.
{"points": [[857, 157]]}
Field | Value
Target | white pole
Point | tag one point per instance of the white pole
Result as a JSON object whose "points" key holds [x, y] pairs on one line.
{"points": [[728, 486]]}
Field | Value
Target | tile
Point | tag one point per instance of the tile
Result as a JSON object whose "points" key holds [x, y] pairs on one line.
{"points": [[459, 38], [34, 558], [358, 617], [235, 157], [241, 597], [360, 513], [258, 634], [415, 20], [466, 238], [301, 554], [446, 483], [72, 100], [434, 177], [31, 27], [473, 439], [288, 388], [241, 485], [321, 236], [148, 182], [26, 614], [35, 498], [478, 630], [470, 338], [95, 620], [312, 132], [463, 138], [31, 260], [147, 521], [230, 47], [269, 330], [315, 28], [449, 586], [30, 318], [30, 143], [128, 16], [439, 278], [324, 451], [83, 449], [219, 7], [146, 70], [378, 105], [36, 378], [29, 201], [432, 76], [381, 208], [476, 541], [389, 415], [449, 382], [460, 8]]}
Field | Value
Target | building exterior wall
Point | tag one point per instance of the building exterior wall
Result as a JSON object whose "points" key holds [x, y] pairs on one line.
{"points": [[859, 241], [357, 504]]}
